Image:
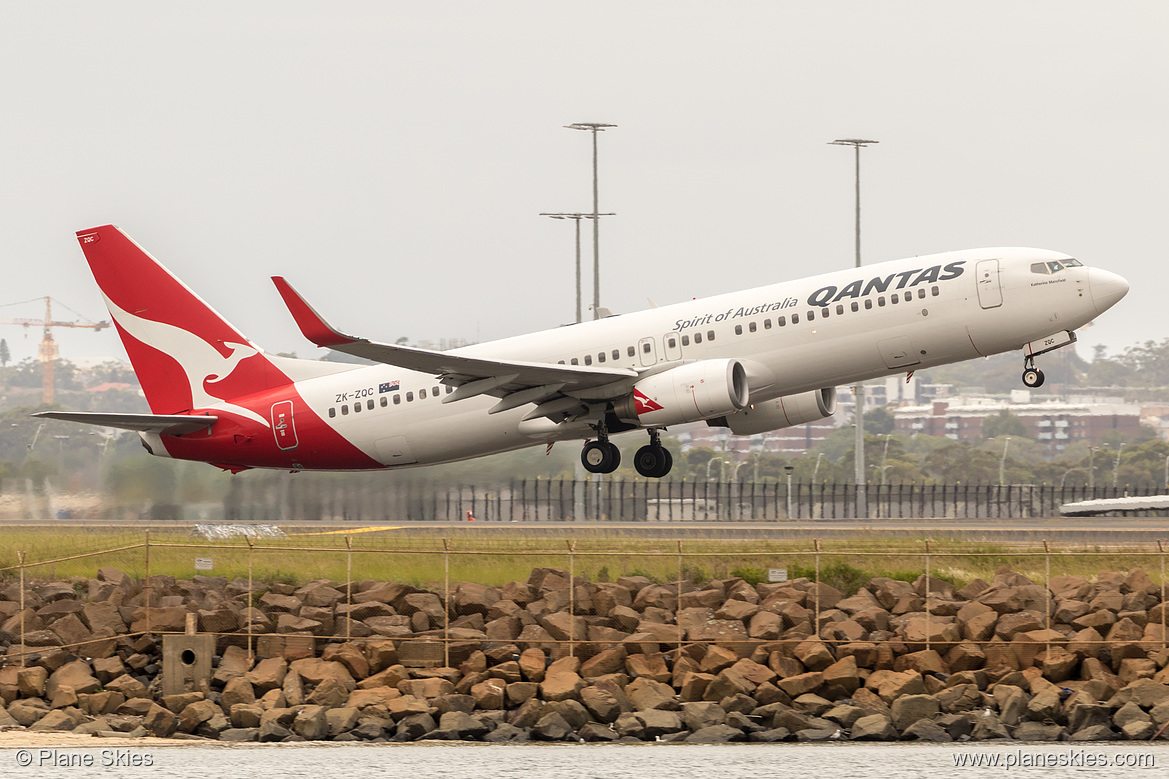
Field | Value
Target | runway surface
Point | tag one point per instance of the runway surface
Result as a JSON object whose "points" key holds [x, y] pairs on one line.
{"points": [[1078, 530]]}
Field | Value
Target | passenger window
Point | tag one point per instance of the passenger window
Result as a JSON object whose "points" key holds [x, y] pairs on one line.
{"points": [[881, 300], [855, 307], [811, 316], [752, 327], [397, 400], [781, 321], [766, 324], [685, 340], [449, 389], [698, 338], [369, 404], [935, 291], [422, 394], [600, 356], [332, 413], [616, 354], [356, 407], [839, 308], [588, 359], [671, 342], [795, 319], [710, 335], [560, 362], [345, 411], [632, 352], [868, 303], [434, 392], [893, 297], [738, 329], [574, 361], [384, 401], [646, 347], [409, 397]]}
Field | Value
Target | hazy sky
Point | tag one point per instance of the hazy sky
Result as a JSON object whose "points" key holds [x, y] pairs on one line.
{"points": [[391, 158]]}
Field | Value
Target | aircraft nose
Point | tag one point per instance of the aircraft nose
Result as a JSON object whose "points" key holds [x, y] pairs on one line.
{"points": [[1107, 288]]}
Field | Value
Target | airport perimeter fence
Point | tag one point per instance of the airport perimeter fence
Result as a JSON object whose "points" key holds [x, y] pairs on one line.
{"points": [[451, 598], [614, 500]]}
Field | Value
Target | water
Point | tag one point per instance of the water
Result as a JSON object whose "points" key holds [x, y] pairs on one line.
{"points": [[584, 761]]}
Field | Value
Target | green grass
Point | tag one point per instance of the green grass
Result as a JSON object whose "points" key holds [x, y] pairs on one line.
{"points": [[417, 556]]}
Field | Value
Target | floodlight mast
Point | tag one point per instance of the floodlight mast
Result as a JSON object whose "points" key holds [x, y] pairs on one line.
{"points": [[594, 127], [576, 217], [858, 388]]}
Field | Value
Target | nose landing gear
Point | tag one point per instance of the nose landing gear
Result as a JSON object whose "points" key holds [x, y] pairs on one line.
{"points": [[1032, 376]]}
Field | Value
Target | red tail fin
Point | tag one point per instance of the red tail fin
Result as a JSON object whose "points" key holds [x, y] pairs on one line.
{"points": [[186, 355]]}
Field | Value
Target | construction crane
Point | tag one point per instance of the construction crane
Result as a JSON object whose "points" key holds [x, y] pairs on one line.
{"points": [[47, 353]]}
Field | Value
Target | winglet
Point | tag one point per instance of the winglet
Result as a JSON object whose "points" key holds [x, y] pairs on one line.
{"points": [[314, 327]]}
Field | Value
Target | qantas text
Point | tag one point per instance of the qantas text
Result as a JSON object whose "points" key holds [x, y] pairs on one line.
{"points": [[858, 288], [831, 294]]}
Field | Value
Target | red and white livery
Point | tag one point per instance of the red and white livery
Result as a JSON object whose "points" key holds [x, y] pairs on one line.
{"points": [[752, 361]]}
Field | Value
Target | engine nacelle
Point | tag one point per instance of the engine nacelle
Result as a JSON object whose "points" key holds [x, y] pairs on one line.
{"points": [[781, 412], [689, 393]]}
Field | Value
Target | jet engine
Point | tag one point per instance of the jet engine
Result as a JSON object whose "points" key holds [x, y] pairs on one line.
{"points": [[781, 412], [689, 393]]}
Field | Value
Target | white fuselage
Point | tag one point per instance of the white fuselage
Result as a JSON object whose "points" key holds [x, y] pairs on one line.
{"points": [[922, 318]]}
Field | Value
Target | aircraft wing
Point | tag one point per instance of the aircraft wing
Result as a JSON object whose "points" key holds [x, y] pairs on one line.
{"points": [[516, 383], [164, 424]]}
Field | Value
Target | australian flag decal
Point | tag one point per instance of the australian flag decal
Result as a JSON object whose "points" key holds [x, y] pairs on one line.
{"points": [[388, 386]]}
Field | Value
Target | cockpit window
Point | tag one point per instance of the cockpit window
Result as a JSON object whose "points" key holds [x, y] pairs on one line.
{"points": [[1053, 266]]}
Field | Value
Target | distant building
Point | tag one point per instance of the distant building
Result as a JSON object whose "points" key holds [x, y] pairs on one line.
{"points": [[789, 441], [1055, 423]]}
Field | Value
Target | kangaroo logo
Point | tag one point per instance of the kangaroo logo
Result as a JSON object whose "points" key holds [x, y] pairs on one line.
{"points": [[202, 362]]}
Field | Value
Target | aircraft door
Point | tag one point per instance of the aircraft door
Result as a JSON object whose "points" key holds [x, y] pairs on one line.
{"points": [[283, 426], [990, 293], [672, 347], [648, 352]]}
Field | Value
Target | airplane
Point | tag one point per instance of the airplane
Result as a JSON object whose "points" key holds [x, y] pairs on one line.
{"points": [[751, 361]]}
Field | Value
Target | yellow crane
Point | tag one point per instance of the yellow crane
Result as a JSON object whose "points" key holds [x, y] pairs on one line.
{"points": [[47, 353]]}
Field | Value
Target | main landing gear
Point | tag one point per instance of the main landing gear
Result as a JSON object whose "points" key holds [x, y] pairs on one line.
{"points": [[652, 461], [1032, 376], [600, 456]]}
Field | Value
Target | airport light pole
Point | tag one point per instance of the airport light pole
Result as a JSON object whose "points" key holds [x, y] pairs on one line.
{"points": [[816, 470], [859, 388], [1116, 468], [594, 127], [788, 469], [1003, 460], [576, 217], [1092, 468]]}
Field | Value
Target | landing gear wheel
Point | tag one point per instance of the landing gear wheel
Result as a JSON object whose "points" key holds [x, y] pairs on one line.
{"points": [[1033, 377], [600, 457], [653, 462]]}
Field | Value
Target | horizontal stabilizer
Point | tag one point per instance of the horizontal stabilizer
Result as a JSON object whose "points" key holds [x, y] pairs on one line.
{"points": [[163, 424]]}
